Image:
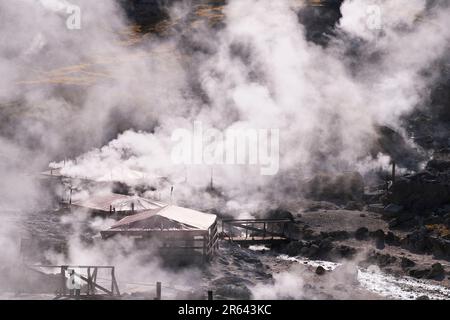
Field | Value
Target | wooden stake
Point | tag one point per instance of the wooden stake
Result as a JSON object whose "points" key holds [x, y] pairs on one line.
{"points": [[158, 291], [393, 172]]}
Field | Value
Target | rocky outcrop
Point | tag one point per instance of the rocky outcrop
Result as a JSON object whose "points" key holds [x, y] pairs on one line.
{"points": [[426, 190], [424, 241], [436, 272]]}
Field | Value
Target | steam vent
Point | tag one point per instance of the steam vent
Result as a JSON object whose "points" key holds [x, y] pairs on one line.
{"points": [[247, 151]]}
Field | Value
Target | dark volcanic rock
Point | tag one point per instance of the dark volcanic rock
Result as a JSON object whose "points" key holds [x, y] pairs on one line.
{"points": [[232, 287], [313, 251], [378, 234], [421, 191], [391, 239], [423, 241], [418, 273], [417, 241], [234, 291], [320, 270], [380, 259], [343, 251], [437, 272], [294, 248], [403, 220], [406, 263], [379, 237], [362, 233], [438, 165], [279, 213]]}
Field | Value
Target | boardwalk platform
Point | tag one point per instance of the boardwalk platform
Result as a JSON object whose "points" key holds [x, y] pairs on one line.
{"points": [[248, 232]]}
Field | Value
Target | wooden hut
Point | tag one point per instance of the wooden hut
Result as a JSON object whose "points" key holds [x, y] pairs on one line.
{"points": [[182, 233]]}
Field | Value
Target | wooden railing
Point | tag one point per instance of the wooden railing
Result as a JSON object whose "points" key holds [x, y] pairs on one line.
{"points": [[75, 284]]}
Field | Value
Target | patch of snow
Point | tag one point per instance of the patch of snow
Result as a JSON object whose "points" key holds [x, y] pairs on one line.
{"points": [[388, 286]]}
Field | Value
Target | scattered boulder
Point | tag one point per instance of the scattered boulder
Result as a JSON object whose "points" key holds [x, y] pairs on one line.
{"points": [[343, 252], [423, 241], [379, 237], [418, 273], [406, 263], [313, 251], [423, 298], [320, 270], [325, 246], [391, 239], [294, 248], [380, 259], [440, 247], [362, 233], [378, 234], [437, 272], [417, 241]]}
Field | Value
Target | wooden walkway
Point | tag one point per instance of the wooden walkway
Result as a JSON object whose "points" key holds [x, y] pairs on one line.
{"points": [[257, 231]]}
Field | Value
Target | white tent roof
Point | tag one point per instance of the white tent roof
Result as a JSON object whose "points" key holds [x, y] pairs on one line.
{"points": [[189, 217]]}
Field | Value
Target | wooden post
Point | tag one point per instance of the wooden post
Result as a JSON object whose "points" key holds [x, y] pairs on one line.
{"points": [[204, 248], [94, 280], [72, 276], [158, 291], [393, 173], [115, 287], [210, 295], [63, 280], [112, 281], [89, 285], [253, 234], [264, 233]]}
